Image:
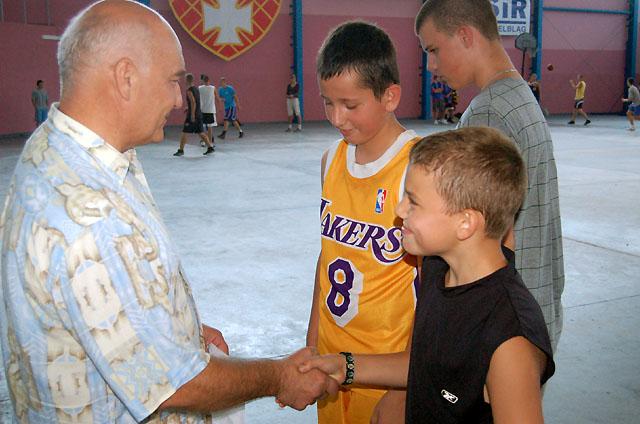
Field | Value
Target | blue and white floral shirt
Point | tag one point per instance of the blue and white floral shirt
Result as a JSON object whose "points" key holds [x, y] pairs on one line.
{"points": [[98, 324]]}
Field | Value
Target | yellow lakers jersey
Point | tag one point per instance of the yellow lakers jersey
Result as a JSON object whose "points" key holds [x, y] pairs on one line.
{"points": [[366, 279]]}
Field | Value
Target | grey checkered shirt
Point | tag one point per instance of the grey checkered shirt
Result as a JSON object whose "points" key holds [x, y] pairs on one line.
{"points": [[509, 105]]}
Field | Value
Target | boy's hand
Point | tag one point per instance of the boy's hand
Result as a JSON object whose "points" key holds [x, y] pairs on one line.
{"points": [[333, 365], [298, 390]]}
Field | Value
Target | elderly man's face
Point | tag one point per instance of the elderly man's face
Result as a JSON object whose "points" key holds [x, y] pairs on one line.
{"points": [[161, 93]]}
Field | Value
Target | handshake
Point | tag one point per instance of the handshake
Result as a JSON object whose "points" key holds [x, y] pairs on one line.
{"points": [[306, 377]]}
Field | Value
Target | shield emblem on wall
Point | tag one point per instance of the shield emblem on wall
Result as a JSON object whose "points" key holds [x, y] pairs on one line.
{"points": [[227, 28]]}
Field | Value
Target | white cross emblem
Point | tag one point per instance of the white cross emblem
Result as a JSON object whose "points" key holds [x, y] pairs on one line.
{"points": [[229, 19]]}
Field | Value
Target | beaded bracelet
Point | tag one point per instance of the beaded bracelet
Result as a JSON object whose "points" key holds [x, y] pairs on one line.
{"points": [[351, 368]]}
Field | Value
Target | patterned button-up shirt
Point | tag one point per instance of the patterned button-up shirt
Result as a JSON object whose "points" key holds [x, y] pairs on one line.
{"points": [[97, 322]]}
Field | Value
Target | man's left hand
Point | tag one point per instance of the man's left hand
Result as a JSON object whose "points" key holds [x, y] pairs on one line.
{"points": [[214, 337]]}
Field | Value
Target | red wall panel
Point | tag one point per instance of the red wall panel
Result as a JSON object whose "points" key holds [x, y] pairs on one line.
{"points": [[592, 44], [24, 58], [408, 53], [589, 44]]}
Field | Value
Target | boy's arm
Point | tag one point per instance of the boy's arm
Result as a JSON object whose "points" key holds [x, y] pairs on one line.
{"points": [[389, 369], [513, 382], [391, 406], [192, 102], [218, 98], [235, 97], [312, 329]]}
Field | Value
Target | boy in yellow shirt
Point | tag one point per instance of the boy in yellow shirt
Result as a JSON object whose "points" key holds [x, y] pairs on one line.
{"points": [[578, 105], [364, 294]]}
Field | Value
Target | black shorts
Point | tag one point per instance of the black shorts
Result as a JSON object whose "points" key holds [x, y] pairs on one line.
{"points": [[578, 104], [208, 119], [193, 127]]}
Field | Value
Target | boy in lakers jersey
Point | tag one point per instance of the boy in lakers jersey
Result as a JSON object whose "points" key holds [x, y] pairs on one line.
{"points": [[364, 295]]}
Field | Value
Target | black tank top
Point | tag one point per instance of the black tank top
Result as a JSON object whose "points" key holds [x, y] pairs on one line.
{"points": [[456, 331], [196, 96]]}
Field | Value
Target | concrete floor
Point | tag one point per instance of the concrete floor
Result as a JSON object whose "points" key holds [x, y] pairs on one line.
{"points": [[245, 220]]}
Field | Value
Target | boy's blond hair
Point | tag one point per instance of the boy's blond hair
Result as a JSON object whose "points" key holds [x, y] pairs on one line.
{"points": [[476, 168]]}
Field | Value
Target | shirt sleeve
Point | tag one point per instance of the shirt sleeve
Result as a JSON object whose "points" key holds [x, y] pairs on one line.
{"points": [[488, 117]]}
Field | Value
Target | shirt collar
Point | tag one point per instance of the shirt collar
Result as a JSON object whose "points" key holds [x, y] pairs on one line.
{"points": [[102, 151]]}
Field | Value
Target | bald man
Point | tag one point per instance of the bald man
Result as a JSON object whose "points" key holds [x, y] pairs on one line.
{"points": [[97, 322]]}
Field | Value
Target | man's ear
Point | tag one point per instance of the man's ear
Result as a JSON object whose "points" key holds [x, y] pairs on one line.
{"points": [[470, 221], [125, 75], [466, 35], [391, 97]]}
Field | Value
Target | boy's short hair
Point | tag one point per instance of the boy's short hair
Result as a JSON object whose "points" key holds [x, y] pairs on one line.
{"points": [[476, 168], [188, 78], [362, 48], [449, 15], [631, 81]]}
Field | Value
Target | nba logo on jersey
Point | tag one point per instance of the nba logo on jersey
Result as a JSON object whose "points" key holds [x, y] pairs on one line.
{"points": [[380, 199]]}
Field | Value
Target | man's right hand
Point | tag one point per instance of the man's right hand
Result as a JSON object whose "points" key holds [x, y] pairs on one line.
{"points": [[299, 390]]}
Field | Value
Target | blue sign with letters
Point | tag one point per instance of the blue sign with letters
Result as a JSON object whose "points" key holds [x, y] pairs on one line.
{"points": [[513, 16]]}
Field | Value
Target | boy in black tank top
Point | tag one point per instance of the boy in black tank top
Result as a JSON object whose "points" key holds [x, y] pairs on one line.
{"points": [[480, 349]]}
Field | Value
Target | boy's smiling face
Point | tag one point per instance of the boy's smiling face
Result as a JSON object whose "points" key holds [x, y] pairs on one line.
{"points": [[353, 109], [427, 230]]}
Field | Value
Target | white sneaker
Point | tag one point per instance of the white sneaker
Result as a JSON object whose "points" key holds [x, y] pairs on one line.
{"points": [[631, 129], [443, 121], [436, 122]]}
